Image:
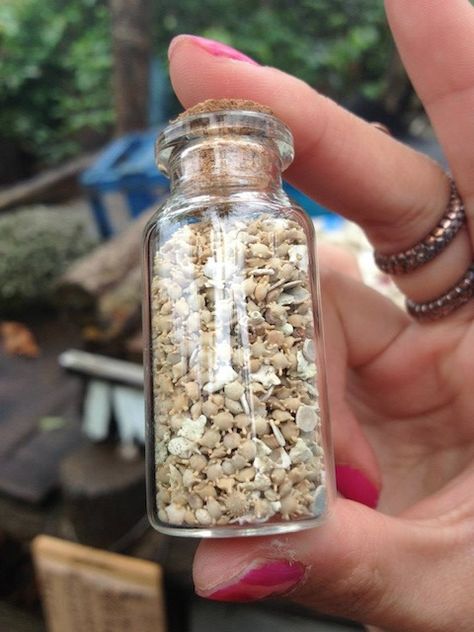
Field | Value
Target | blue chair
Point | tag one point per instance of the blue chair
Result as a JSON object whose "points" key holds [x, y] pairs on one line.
{"points": [[125, 166]]}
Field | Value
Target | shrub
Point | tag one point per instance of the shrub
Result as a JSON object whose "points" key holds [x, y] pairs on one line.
{"points": [[37, 244]]}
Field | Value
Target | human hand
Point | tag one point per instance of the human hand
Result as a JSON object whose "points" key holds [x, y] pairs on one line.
{"points": [[401, 392]]}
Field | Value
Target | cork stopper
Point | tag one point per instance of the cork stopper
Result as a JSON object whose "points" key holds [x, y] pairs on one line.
{"points": [[215, 105], [238, 120]]}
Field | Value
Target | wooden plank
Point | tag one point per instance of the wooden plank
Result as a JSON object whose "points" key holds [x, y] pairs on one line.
{"points": [[102, 367], [89, 590], [32, 471], [20, 421], [31, 389]]}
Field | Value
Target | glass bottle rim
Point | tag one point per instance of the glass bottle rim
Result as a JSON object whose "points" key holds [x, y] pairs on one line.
{"points": [[246, 123]]}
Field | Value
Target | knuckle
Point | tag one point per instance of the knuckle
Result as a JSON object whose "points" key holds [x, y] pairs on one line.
{"points": [[349, 588]]}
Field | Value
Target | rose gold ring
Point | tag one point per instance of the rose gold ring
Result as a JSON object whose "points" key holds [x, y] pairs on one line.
{"points": [[432, 245], [458, 295]]}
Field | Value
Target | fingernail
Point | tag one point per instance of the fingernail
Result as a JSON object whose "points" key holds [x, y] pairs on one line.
{"points": [[258, 582], [354, 485], [218, 49]]}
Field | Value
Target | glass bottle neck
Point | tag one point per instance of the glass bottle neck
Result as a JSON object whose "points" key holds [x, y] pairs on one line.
{"points": [[232, 163]]}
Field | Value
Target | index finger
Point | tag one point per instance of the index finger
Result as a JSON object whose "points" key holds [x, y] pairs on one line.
{"points": [[396, 194], [342, 161]]}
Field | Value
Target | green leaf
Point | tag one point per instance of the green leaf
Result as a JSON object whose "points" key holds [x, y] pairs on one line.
{"points": [[47, 424]]}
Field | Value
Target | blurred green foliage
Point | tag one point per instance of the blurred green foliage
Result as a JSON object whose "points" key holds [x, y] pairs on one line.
{"points": [[37, 244], [342, 47], [56, 60], [55, 69]]}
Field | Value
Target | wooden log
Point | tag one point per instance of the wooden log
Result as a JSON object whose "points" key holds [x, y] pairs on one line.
{"points": [[46, 186], [97, 482], [81, 287], [22, 521], [116, 314], [119, 309]]}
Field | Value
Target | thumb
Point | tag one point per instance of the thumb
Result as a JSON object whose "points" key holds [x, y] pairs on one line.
{"points": [[360, 564]]}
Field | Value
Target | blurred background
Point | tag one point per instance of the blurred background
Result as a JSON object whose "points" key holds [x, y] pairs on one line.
{"points": [[84, 89], [63, 65]]}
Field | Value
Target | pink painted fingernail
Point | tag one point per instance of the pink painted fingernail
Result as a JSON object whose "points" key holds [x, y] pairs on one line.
{"points": [[354, 485], [268, 579], [218, 49]]}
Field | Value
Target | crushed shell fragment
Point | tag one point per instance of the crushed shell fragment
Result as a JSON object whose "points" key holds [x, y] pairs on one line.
{"points": [[307, 418]]}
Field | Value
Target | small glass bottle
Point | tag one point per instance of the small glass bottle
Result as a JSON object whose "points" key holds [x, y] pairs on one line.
{"points": [[237, 415]]}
